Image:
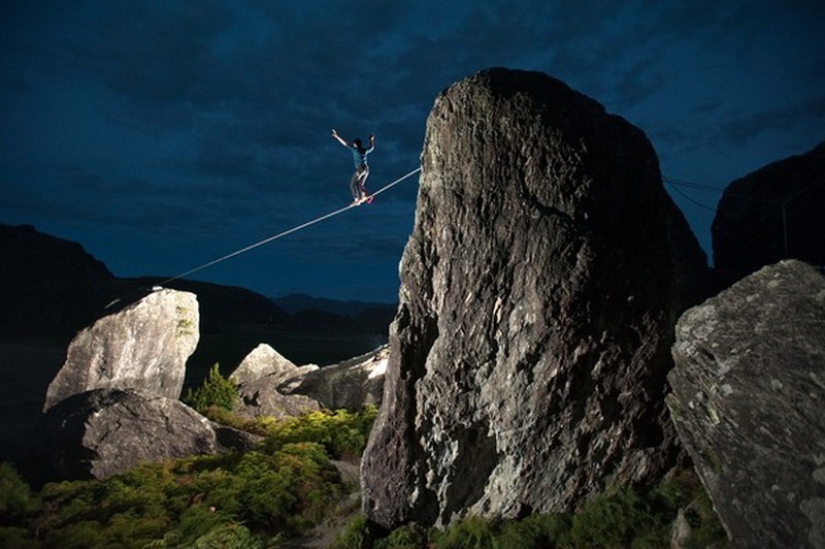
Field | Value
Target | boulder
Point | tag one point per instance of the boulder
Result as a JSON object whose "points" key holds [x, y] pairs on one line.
{"points": [[105, 432], [771, 214], [539, 290], [143, 346], [259, 378], [747, 401], [264, 361], [271, 385], [350, 385]]}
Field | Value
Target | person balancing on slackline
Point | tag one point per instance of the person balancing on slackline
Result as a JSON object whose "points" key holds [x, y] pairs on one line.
{"points": [[362, 169]]}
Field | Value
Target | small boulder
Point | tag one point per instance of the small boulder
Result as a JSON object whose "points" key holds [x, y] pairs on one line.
{"points": [[105, 432], [350, 384], [259, 377], [264, 361], [747, 402], [143, 346]]}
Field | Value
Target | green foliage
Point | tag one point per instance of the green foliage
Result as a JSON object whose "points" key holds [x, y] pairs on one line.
{"points": [[242, 499], [618, 518], [216, 391], [17, 537], [343, 434], [355, 535], [250, 500], [469, 533], [15, 495]]}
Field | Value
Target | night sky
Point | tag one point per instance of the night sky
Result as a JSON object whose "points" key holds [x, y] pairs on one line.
{"points": [[162, 135]]}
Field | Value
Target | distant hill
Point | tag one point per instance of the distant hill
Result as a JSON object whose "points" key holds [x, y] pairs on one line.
{"points": [[51, 287], [295, 303]]}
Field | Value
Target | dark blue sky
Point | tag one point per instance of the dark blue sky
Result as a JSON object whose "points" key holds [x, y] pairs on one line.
{"points": [[163, 135]]}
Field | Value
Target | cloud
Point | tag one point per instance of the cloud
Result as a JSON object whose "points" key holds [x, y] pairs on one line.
{"points": [[743, 127], [195, 127], [155, 52]]}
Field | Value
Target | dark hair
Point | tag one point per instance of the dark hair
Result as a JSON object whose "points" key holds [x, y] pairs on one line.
{"points": [[356, 142]]}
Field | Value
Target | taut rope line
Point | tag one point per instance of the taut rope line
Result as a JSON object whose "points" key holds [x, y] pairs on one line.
{"points": [[284, 233]]}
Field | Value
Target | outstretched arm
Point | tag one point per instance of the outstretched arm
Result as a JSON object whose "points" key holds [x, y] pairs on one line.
{"points": [[340, 139], [372, 143]]}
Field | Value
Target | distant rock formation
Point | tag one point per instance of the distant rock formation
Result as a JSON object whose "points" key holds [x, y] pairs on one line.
{"points": [[271, 385], [259, 377], [540, 287], [47, 285], [144, 346], [747, 401], [771, 214], [350, 385], [105, 432]]}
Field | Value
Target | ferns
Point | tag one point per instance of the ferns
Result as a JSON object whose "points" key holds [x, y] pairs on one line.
{"points": [[244, 500]]}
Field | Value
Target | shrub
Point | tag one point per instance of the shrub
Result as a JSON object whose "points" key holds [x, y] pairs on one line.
{"points": [[469, 533], [215, 391], [613, 519], [343, 434], [617, 518], [355, 535], [411, 536], [15, 496]]}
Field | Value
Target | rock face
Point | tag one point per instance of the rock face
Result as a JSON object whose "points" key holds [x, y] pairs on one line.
{"points": [[106, 432], [350, 385], [747, 401], [144, 346], [271, 385], [259, 378], [771, 214], [539, 290]]}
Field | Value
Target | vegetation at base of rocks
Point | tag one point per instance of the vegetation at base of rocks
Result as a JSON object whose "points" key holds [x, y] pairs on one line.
{"points": [[255, 499], [216, 391], [341, 433], [619, 518]]}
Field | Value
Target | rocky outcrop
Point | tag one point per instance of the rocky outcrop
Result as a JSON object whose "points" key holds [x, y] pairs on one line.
{"points": [[48, 286], [105, 432], [144, 346], [271, 385], [348, 385], [747, 401], [260, 377], [771, 214], [539, 290]]}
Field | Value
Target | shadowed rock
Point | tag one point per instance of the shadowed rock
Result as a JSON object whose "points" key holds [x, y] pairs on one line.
{"points": [[143, 346], [271, 385], [105, 432], [747, 401], [539, 290], [771, 214], [350, 384], [259, 377]]}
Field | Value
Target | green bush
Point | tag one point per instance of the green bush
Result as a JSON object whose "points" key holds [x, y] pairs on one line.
{"points": [[355, 535], [617, 518], [236, 500], [216, 391], [15, 496], [17, 537], [343, 434]]}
